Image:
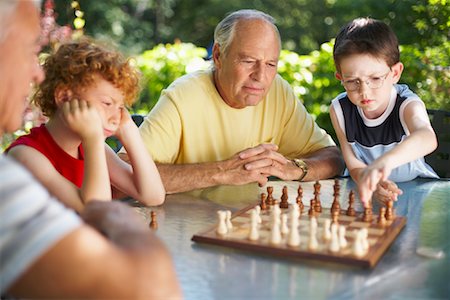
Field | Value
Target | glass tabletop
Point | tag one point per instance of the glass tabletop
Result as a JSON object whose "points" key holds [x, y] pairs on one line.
{"points": [[417, 265]]}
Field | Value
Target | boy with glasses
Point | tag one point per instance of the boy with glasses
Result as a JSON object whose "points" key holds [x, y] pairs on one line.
{"points": [[383, 128]]}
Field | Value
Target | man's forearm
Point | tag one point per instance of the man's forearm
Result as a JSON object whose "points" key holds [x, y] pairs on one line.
{"points": [[186, 177], [324, 163]]}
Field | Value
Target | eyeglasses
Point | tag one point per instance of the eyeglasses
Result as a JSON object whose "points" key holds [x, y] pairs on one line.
{"points": [[372, 82]]}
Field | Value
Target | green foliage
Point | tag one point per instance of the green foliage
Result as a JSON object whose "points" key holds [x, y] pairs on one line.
{"points": [[162, 65], [428, 74]]}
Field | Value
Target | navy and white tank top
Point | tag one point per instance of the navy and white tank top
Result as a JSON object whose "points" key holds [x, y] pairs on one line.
{"points": [[371, 138]]}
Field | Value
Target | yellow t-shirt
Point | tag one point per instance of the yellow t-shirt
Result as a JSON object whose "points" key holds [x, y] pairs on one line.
{"points": [[192, 124]]}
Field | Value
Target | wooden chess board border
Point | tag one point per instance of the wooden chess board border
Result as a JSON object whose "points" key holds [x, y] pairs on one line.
{"points": [[369, 260]]}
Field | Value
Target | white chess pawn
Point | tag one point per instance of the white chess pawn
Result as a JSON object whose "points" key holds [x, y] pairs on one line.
{"points": [[294, 235], [334, 244], [254, 233], [313, 223], [364, 239], [327, 230], [342, 240], [276, 213], [294, 213], [313, 244], [228, 220], [284, 226], [358, 250], [258, 211], [275, 233], [222, 227]]}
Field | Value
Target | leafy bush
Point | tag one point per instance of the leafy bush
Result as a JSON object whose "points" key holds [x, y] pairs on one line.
{"points": [[162, 65]]}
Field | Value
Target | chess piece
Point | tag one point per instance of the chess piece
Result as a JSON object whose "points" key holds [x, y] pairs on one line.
{"points": [[228, 220], [389, 210], [262, 204], [334, 244], [254, 233], [342, 240], [351, 201], [222, 228], [318, 204], [270, 200], [153, 223], [364, 239], [284, 198], [258, 214], [299, 199], [294, 235], [358, 250], [294, 214], [335, 217], [382, 217], [336, 188], [276, 213], [368, 214], [284, 226], [275, 234], [326, 229], [313, 244], [335, 206], [312, 211]]}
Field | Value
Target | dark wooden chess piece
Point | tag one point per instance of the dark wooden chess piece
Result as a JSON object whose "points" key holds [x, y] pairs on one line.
{"points": [[351, 201], [284, 198], [262, 204], [153, 223]]}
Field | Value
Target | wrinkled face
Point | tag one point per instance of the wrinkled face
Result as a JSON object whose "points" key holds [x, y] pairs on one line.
{"points": [[245, 73], [372, 81], [109, 102], [19, 66]]}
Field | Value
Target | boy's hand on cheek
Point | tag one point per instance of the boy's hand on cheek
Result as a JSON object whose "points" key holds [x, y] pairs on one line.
{"points": [[126, 124], [83, 119]]}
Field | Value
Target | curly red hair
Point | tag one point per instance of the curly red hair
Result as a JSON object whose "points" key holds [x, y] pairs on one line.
{"points": [[76, 64]]}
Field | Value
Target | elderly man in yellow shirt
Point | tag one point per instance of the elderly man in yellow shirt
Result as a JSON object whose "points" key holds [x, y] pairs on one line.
{"points": [[238, 122]]}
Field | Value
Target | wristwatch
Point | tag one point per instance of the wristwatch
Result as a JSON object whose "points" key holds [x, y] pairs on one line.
{"points": [[300, 163]]}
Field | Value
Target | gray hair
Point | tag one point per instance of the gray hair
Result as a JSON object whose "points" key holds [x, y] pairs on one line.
{"points": [[7, 9], [223, 34]]}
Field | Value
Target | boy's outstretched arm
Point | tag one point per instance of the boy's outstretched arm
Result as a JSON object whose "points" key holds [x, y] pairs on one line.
{"points": [[367, 181], [140, 178], [420, 142]]}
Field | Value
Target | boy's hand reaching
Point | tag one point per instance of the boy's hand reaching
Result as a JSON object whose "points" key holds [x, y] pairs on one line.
{"points": [[83, 118], [387, 190], [374, 180]]}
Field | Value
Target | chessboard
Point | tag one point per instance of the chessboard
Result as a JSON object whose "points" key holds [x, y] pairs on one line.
{"points": [[335, 234]]}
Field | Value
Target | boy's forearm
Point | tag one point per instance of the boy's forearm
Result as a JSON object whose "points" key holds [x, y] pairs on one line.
{"points": [[96, 184], [146, 177]]}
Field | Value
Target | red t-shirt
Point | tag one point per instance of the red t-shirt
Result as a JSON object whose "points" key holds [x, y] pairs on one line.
{"points": [[40, 139]]}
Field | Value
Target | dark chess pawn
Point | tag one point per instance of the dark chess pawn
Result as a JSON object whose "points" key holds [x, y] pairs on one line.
{"points": [[351, 201], [153, 223], [262, 204], [382, 217], [368, 214], [270, 200], [312, 211], [389, 210], [300, 198]]}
